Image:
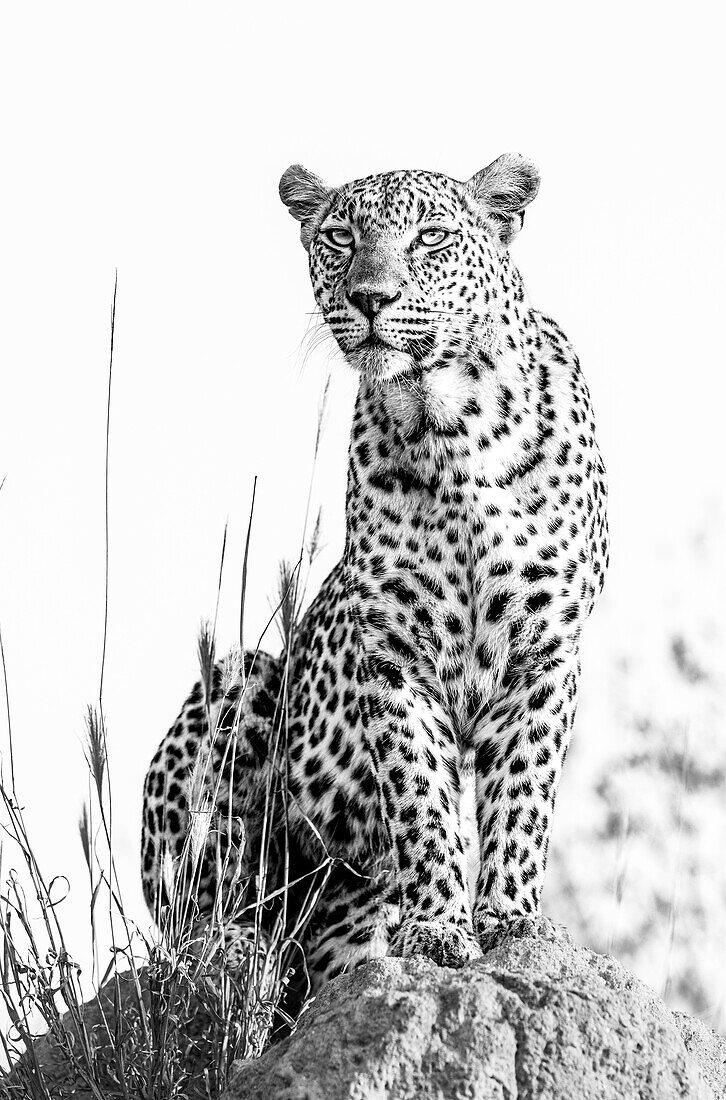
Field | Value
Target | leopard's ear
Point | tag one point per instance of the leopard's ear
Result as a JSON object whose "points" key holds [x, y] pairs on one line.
{"points": [[305, 195], [503, 189]]}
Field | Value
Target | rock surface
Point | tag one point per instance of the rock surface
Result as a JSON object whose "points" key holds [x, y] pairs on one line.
{"points": [[537, 1018]]}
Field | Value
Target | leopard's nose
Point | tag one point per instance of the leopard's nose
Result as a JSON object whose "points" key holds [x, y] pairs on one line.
{"points": [[371, 302]]}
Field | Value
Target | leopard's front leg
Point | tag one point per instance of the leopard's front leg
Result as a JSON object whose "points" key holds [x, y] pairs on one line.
{"points": [[416, 763], [519, 753]]}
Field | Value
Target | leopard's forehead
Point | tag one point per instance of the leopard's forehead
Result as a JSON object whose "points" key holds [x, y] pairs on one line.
{"points": [[399, 198]]}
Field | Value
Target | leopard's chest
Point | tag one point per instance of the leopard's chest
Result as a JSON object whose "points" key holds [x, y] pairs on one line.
{"points": [[466, 582]]}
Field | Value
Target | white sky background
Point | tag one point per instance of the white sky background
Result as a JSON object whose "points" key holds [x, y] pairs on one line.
{"points": [[151, 138]]}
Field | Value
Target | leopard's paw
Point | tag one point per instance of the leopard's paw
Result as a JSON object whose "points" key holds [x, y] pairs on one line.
{"points": [[491, 929], [446, 944]]}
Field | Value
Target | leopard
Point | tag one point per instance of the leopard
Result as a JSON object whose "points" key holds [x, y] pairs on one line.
{"points": [[441, 654]]}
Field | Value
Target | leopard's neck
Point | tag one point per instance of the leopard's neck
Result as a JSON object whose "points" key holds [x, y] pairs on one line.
{"points": [[470, 418]]}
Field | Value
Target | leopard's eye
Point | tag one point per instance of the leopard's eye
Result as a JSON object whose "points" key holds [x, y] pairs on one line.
{"points": [[433, 238], [341, 238]]}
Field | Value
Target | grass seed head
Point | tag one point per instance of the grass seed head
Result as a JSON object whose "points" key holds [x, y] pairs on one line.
{"points": [[84, 830], [96, 748], [206, 646], [232, 669]]}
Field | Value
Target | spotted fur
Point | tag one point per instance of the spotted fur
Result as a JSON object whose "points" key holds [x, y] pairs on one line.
{"points": [[444, 645]]}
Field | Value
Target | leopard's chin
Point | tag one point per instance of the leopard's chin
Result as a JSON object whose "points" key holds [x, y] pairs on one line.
{"points": [[379, 362]]}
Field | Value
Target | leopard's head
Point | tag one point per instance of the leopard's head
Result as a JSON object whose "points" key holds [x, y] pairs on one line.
{"points": [[405, 265]]}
